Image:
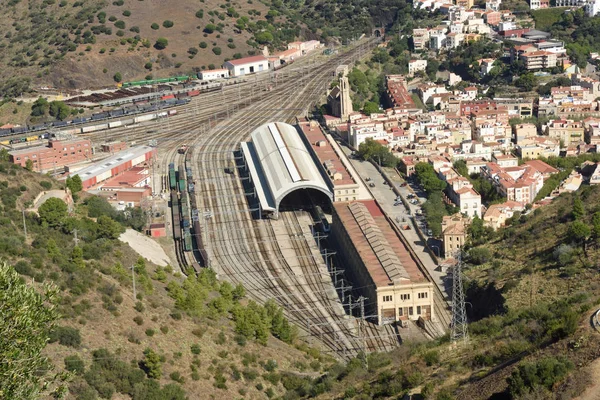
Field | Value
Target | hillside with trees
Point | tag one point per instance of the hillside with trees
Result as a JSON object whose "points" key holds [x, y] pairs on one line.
{"points": [[90, 43], [70, 318]]}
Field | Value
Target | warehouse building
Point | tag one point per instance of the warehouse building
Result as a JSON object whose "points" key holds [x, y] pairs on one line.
{"points": [[93, 176], [282, 168], [379, 264], [248, 65], [56, 154]]}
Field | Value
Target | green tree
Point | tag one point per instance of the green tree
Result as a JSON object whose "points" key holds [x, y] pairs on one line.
{"points": [[39, 107], [428, 179], [53, 212], [527, 82], [461, 167], [161, 43], [74, 364], [371, 107], [579, 231], [4, 155], [578, 208], [210, 28], [27, 316], [216, 50], [74, 184], [29, 165], [151, 364], [108, 228], [118, 77], [596, 225]]}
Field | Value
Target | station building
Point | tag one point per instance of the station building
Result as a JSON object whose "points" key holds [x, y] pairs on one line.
{"points": [[326, 152], [379, 264]]}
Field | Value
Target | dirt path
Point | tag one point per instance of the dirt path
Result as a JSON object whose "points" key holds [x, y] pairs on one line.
{"points": [[146, 247], [592, 392]]}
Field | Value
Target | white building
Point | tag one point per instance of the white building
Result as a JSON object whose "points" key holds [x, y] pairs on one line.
{"points": [[437, 42], [359, 133], [248, 65], [211, 74], [415, 66], [592, 8]]}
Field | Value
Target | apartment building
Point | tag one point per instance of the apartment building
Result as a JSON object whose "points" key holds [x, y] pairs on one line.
{"points": [[415, 66], [538, 60], [420, 38], [567, 131]]}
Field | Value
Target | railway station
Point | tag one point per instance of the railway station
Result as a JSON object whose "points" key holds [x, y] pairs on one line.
{"points": [[300, 168], [283, 171]]}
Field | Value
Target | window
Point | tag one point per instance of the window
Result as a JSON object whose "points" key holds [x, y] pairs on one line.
{"points": [[400, 312], [387, 298], [242, 71], [260, 67], [405, 297], [423, 295], [410, 311], [418, 310]]}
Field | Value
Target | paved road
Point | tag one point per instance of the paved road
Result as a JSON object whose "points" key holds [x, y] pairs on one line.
{"points": [[386, 198]]}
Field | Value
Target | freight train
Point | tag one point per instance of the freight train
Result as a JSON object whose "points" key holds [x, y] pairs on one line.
{"points": [[73, 126], [196, 230], [186, 230]]}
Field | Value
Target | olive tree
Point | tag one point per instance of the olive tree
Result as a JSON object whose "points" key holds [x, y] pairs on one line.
{"points": [[27, 316]]}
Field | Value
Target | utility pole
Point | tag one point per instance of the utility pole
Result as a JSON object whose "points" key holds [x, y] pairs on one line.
{"points": [[459, 314], [133, 276], [362, 334]]}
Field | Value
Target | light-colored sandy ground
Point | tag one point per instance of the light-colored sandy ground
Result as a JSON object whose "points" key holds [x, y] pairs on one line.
{"points": [[146, 247]]}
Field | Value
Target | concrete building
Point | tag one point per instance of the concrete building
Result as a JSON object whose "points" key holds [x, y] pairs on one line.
{"points": [[496, 215], [377, 261], [96, 174], [420, 38], [56, 154], [212, 74], [523, 132], [398, 95], [567, 131], [467, 4], [416, 66], [335, 167], [592, 8], [505, 160], [538, 60], [247, 65], [454, 233]]}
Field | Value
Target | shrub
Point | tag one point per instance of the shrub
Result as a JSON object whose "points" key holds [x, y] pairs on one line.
{"points": [[164, 329], [154, 26], [176, 315], [530, 375], [150, 332], [74, 364], [139, 320], [168, 24], [126, 13], [139, 306], [66, 336], [217, 51], [210, 28], [46, 185], [195, 348], [200, 14], [431, 357], [120, 24], [161, 43], [203, 45], [177, 377]]}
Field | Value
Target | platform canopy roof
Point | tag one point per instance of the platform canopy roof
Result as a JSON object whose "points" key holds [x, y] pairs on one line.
{"points": [[282, 163]]}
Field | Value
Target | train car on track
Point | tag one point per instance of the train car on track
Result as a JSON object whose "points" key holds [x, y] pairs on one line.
{"points": [[322, 219], [181, 179], [187, 239], [172, 178]]}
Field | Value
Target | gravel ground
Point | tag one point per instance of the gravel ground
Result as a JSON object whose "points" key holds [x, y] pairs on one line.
{"points": [[146, 247]]}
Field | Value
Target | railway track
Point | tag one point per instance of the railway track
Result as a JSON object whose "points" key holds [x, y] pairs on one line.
{"points": [[238, 243]]}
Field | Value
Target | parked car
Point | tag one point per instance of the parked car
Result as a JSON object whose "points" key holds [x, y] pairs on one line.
{"points": [[429, 232], [371, 184], [368, 179]]}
